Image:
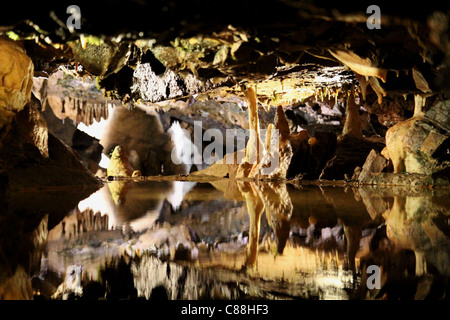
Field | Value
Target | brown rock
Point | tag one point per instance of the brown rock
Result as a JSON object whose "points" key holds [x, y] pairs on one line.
{"points": [[16, 80], [411, 144], [351, 152], [32, 157], [375, 163]]}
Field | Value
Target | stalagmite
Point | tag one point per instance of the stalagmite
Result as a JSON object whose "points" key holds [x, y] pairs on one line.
{"points": [[254, 149], [277, 159], [352, 125], [419, 103]]}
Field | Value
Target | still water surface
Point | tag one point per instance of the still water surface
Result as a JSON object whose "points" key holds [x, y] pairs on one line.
{"points": [[225, 240]]}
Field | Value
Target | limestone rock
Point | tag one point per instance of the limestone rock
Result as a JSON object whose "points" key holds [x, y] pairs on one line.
{"points": [[351, 152], [100, 58], [16, 80], [352, 120], [34, 126], [119, 164], [411, 144], [375, 163], [32, 157]]}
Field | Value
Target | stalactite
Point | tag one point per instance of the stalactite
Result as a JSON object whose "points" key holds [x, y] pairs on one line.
{"points": [[363, 83], [375, 84]]}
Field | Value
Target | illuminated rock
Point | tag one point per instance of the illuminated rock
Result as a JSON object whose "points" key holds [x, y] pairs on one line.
{"points": [[16, 80], [411, 145], [119, 164]]}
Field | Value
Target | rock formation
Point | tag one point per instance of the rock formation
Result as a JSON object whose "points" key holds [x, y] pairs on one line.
{"points": [[16, 75]]}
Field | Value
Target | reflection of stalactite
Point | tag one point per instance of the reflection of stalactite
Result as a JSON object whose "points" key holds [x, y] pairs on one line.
{"points": [[85, 221], [82, 111], [88, 221]]}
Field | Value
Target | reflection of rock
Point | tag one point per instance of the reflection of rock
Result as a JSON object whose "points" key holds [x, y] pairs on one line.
{"points": [[17, 286], [416, 223], [414, 250], [68, 97], [178, 282], [21, 254], [168, 241], [71, 284], [148, 146], [77, 223], [132, 205]]}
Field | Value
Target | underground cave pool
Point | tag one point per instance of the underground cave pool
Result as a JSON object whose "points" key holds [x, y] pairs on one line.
{"points": [[226, 240]]}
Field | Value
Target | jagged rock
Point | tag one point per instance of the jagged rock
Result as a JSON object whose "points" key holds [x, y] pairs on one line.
{"points": [[152, 87]]}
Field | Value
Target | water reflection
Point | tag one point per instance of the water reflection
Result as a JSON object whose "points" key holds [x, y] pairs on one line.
{"points": [[25, 219], [226, 239]]}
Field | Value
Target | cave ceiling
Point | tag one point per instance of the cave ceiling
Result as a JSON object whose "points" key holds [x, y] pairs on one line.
{"points": [[156, 51]]}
